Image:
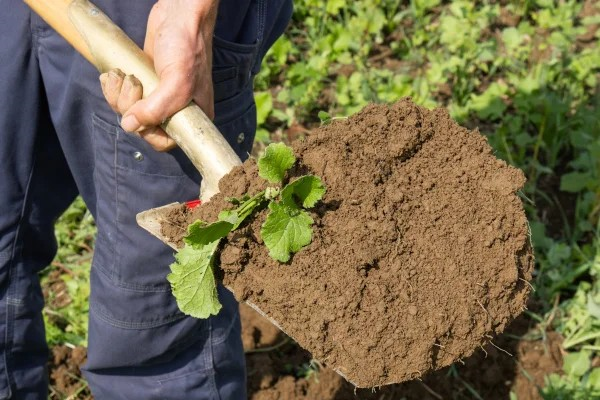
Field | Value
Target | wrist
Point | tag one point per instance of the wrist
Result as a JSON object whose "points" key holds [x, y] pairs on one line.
{"points": [[200, 14]]}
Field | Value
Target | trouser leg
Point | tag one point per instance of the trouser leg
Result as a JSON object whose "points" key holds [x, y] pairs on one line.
{"points": [[35, 187], [140, 345]]}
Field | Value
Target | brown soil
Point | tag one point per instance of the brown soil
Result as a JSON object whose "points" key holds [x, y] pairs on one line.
{"points": [[65, 373], [420, 249], [55, 291], [510, 365], [590, 8], [278, 369]]}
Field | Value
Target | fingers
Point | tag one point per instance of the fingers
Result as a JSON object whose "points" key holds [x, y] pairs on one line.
{"points": [[171, 95], [131, 92], [122, 92], [111, 83], [158, 139]]}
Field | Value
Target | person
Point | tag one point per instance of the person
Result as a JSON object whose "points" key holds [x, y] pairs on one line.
{"points": [[59, 137]]}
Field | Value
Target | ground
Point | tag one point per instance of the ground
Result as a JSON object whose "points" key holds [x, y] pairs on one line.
{"points": [[278, 369]]}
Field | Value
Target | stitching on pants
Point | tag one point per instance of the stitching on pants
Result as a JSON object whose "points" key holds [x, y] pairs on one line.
{"points": [[133, 287], [163, 320], [210, 360]]}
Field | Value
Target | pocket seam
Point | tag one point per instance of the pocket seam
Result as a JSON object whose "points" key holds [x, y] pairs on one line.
{"points": [[224, 74], [204, 370], [122, 140], [143, 324], [233, 46], [133, 287]]}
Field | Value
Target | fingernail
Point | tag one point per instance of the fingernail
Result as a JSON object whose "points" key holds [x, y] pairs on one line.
{"points": [[130, 123], [114, 78], [126, 85], [103, 79]]}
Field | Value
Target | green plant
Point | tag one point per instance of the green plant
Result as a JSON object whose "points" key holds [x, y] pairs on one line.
{"points": [[67, 279], [286, 230]]}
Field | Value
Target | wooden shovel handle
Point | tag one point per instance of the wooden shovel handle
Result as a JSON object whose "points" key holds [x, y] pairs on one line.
{"points": [[106, 46]]}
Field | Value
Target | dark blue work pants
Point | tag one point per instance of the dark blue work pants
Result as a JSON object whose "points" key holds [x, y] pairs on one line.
{"points": [[58, 138]]}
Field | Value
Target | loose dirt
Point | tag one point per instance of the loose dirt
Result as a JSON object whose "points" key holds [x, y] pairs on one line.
{"points": [[65, 374], [492, 372], [420, 249]]}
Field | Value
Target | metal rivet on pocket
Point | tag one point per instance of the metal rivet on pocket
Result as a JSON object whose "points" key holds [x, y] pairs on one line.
{"points": [[241, 137], [138, 156]]}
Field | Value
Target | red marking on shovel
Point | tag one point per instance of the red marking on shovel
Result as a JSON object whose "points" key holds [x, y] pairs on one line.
{"points": [[193, 203]]}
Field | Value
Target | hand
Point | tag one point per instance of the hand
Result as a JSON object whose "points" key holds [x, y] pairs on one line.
{"points": [[179, 40]]}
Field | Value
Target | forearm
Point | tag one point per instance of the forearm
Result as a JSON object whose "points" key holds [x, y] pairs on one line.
{"points": [[197, 15]]}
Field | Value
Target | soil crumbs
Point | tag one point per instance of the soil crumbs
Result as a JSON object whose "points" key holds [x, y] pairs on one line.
{"points": [[420, 249], [65, 373]]}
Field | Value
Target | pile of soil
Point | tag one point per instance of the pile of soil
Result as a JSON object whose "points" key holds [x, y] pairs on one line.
{"points": [[420, 249]]}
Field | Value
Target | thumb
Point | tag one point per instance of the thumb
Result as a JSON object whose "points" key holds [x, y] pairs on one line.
{"points": [[172, 94]]}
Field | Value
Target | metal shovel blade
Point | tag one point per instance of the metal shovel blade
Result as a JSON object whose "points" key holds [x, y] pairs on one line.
{"points": [[152, 220]]}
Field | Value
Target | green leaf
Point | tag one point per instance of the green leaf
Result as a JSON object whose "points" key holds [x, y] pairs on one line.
{"points": [[286, 230], [230, 216], [575, 181], [193, 281], [577, 364], [264, 106], [262, 136], [333, 6], [307, 190], [489, 104], [324, 116], [592, 307], [200, 234], [278, 158], [594, 379], [558, 253]]}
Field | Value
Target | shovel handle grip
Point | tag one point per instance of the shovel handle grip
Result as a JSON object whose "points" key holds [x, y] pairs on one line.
{"points": [[106, 46]]}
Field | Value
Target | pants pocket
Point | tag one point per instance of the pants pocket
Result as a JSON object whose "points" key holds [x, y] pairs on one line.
{"points": [[131, 177]]}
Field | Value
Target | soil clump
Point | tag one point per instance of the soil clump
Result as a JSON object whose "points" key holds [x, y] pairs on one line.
{"points": [[64, 365], [420, 249]]}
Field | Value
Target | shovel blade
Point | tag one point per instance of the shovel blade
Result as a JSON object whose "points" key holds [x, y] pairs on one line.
{"points": [[152, 219]]}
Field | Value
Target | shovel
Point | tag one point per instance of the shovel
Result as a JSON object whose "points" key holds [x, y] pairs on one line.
{"points": [[106, 46]]}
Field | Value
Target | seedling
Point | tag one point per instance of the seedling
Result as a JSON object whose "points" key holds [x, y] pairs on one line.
{"points": [[286, 230]]}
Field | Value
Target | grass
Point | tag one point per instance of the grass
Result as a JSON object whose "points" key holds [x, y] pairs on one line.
{"points": [[524, 72]]}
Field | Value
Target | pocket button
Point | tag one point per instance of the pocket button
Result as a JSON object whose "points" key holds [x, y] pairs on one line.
{"points": [[138, 156]]}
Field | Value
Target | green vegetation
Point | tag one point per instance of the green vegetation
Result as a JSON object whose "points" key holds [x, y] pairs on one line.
{"points": [[67, 279], [524, 72], [286, 230]]}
